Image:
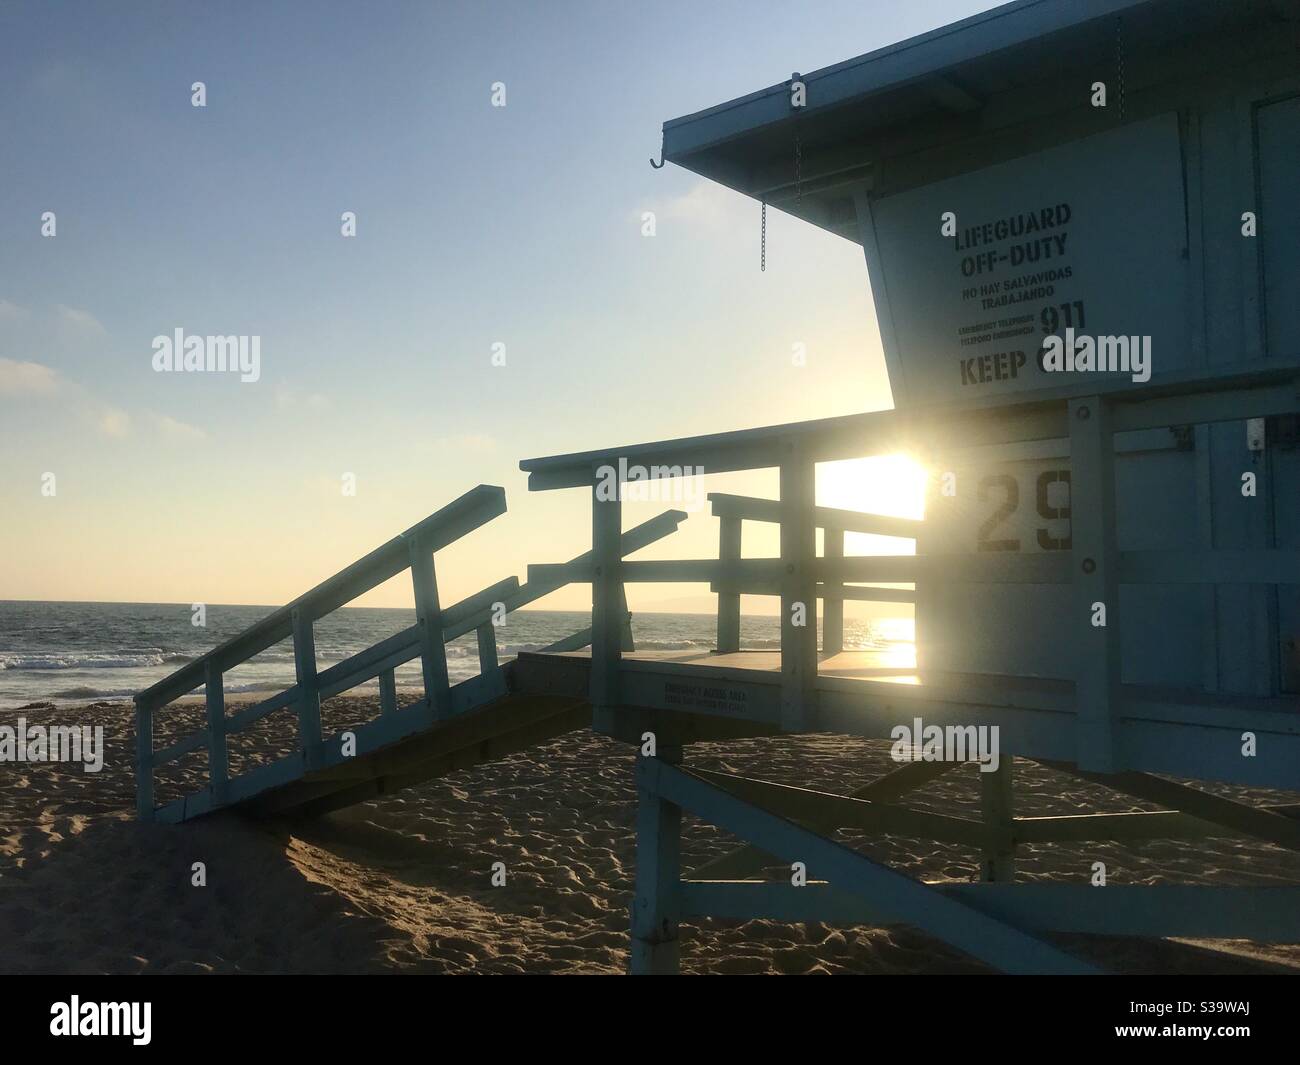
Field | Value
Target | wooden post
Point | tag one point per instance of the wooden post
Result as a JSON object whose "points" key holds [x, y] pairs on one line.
{"points": [[487, 648], [215, 701], [798, 587], [627, 641], [428, 613], [833, 605], [1094, 560], [729, 549], [304, 664], [143, 760], [657, 894], [387, 692], [489, 666], [607, 603], [996, 805]]}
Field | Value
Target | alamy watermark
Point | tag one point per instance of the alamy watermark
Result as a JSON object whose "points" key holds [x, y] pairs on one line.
{"points": [[919, 742], [632, 483], [1103, 354], [179, 353], [22, 742], [133, 1019]]}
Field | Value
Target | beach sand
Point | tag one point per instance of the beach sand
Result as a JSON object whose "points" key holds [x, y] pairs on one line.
{"points": [[403, 883]]}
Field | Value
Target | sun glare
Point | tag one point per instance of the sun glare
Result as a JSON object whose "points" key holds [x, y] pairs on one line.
{"points": [[884, 484]]}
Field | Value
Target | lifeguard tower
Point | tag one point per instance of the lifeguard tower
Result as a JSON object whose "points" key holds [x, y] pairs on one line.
{"points": [[1108, 571], [1080, 227]]}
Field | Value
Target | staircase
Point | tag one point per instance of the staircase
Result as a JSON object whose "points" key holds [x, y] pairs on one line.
{"points": [[449, 727]]}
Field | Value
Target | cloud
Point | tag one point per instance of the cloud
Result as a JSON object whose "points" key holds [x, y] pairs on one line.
{"points": [[466, 442], [287, 398], [177, 430], [113, 422], [11, 312], [83, 321], [705, 204], [27, 379]]}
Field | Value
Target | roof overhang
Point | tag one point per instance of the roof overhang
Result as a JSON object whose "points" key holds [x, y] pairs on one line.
{"points": [[929, 89]]}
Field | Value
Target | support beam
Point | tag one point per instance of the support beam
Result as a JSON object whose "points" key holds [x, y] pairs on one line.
{"points": [[428, 616], [489, 664], [627, 642], [798, 587], [214, 700], [304, 664], [607, 603], [487, 648], [387, 692], [655, 900], [1095, 561], [1240, 818], [912, 902], [575, 642], [998, 864], [833, 603], [1128, 827], [827, 811], [729, 548], [748, 860]]}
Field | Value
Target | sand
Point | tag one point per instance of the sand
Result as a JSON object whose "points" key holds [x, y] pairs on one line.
{"points": [[403, 883]]}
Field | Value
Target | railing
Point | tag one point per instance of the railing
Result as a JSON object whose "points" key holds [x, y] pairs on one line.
{"points": [[732, 511], [1093, 564], [426, 640]]}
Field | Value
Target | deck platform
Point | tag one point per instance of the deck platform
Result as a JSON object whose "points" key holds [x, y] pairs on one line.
{"points": [[870, 692]]}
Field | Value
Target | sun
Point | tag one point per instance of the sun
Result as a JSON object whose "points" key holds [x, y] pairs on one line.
{"points": [[883, 484]]}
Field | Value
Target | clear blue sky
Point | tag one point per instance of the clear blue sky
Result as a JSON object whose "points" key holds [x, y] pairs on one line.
{"points": [[475, 225]]}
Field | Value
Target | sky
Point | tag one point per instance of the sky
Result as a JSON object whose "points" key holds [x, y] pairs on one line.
{"points": [[476, 225]]}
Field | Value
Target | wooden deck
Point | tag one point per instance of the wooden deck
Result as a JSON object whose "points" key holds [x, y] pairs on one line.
{"points": [[704, 695]]}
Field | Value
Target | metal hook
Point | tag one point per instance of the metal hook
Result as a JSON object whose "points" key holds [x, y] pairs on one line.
{"points": [[659, 165]]}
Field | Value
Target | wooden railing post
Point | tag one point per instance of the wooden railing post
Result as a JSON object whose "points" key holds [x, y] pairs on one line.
{"points": [[833, 605], [214, 697], [656, 896], [798, 587], [1094, 554], [489, 662], [143, 759], [729, 541], [433, 652], [998, 864], [607, 603], [387, 692], [487, 647], [627, 640], [304, 665]]}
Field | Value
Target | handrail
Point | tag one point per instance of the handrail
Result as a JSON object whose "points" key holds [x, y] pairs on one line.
{"points": [[1085, 414], [753, 508], [412, 550], [1262, 388], [476, 507]]}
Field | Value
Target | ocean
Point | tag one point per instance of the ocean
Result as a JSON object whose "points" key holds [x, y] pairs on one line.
{"points": [[67, 653]]}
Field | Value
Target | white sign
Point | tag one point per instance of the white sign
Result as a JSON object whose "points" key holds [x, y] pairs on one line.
{"points": [[979, 269]]}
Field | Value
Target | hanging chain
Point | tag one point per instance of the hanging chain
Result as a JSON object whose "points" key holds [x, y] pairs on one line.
{"points": [[1119, 63], [798, 196]]}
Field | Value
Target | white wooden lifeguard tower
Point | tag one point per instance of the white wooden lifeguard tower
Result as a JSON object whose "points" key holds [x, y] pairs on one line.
{"points": [[1118, 169], [999, 204]]}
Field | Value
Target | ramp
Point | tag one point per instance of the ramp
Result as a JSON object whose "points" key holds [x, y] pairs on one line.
{"points": [[449, 727]]}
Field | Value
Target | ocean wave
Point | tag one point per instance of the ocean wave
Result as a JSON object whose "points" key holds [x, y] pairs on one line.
{"points": [[92, 693], [79, 660]]}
